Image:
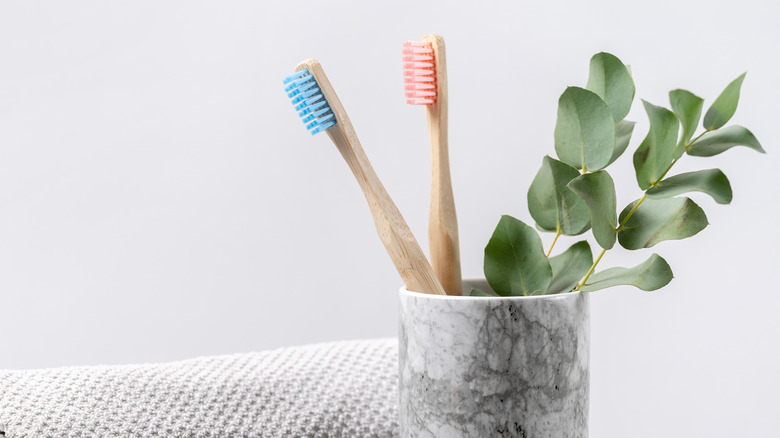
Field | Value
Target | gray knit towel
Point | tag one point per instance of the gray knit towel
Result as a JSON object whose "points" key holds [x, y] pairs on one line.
{"points": [[333, 390]]}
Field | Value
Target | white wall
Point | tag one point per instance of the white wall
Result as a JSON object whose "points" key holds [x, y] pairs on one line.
{"points": [[160, 199]]}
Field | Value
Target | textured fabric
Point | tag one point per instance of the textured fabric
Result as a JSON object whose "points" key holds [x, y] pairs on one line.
{"points": [[339, 389]]}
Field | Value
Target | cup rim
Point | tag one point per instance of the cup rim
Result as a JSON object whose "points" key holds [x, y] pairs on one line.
{"points": [[482, 282]]}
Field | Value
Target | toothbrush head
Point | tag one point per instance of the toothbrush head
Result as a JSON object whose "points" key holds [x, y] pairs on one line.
{"points": [[308, 100], [419, 73]]}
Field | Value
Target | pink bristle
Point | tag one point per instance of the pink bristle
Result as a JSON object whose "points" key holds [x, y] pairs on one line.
{"points": [[419, 73]]}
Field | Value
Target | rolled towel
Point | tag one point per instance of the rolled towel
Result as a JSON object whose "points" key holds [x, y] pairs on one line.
{"points": [[332, 390]]}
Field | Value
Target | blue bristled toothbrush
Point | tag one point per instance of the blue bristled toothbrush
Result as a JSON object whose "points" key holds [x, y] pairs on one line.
{"points": [[320, 109]]}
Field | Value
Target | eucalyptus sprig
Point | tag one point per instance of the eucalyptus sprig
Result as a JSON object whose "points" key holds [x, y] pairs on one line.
{"points": [[575, 193]]}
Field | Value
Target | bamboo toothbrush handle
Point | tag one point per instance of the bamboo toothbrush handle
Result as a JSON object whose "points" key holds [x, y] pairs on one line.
{"points": [[398, 239], [442, 219]]}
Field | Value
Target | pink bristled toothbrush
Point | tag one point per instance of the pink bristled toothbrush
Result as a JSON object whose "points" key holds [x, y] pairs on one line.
{"points": [[425, 78]]}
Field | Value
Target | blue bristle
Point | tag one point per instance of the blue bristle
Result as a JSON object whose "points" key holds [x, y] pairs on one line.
{"points": [[307, 98]]}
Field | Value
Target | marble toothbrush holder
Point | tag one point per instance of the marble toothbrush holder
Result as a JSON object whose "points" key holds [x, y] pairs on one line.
{"points": [[493, 366]]}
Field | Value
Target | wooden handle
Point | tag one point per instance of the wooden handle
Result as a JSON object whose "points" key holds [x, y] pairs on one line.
{"points": [[442, 219], [398, 239]]}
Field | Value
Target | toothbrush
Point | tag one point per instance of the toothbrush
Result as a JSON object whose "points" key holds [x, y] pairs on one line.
{"points": [[321, 110], [425, 78]]}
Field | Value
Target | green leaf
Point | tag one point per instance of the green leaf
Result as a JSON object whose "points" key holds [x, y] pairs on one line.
{"points": [[687, 106], [724, 106], [623, 131], [711, 181], [480, 293], [575, 217], [654, 273], [598, 191], [585, 130], [715, 142], [656, 220], [515, 263], [658, 149], [611, 80], [550, 204], [569, 267]]}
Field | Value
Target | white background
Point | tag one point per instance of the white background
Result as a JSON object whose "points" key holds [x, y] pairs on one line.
{"points": [[160, 199]]}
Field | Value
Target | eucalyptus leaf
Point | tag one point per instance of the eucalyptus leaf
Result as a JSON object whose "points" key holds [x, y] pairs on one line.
{"points": [[715, 142], [480, 293], [656, 220], [569, 267], [574, 214], [585, 130], [652, 274], [543, 199], [543, 230], [659, 148], [515, 263], [598, 191], [623, 131], [710, 181], [687, 106], [724, 106], [611, 80], [591, 134], [549, 203]]}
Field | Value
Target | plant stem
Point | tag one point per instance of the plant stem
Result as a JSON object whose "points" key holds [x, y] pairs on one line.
{"points": [[633, 209], [688, 146], [590, 271], [555, 239], [631, 212]]}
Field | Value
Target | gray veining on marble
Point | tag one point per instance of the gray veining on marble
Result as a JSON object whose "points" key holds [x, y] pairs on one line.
{"points": [[494, 367]]}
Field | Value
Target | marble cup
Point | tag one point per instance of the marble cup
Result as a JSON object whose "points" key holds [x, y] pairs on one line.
{"points": [[493, 366]]}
